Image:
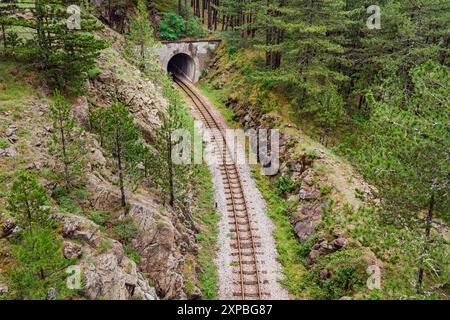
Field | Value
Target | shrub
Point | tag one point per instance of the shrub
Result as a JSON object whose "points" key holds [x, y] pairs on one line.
{"points": [[4, 144], [124, 230], [346, 274], [132, 254], [284, 185], [171, 26], [195, 29], [99, 217]]}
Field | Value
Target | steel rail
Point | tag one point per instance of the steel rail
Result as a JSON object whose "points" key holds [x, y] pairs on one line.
{"points": [[205, 113]]}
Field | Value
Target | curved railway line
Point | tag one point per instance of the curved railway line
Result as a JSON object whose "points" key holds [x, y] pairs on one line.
{"points": [[244, 244]]}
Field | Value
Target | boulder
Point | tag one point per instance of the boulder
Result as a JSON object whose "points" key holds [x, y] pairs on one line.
{"points": [[156, 243], [324, 247], [11, 131], [3, 289], [107, 272], [80, 111], [10, 152], [79, 228], [9, 228], [105, 76], [72, 250], [309, 216], [106, 197], [309, 193], [339, 243]]}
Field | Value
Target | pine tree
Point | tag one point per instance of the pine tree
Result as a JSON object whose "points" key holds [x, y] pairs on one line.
{"points": [[408, 154], [139, 41], [28, 202], [120, 139], [39, 266], [66, 142], [172, 178], [63, 55]]}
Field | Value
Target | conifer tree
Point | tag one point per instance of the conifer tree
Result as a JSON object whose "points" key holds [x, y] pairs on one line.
{"points": [[66, 142], [27, 202], [64, 55], [172, 178], [39, 266], [139, 41], [120, 139], [408, 154]]}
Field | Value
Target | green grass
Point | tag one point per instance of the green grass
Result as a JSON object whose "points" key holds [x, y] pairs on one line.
{"points": [[215, 98], [289, 250], [132, 254], [12, 91], [207, 238], [4, 143]]}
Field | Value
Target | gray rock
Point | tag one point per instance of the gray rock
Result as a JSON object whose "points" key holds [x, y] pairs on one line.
{"points": [[305, 229], [11, 131], [9, 152], [51, 294], [10, 228], [80, 228], [324, 274], [309, 193], [13, 138], [72, 250], [3, 289], [105, 76], [81, 111], [339, 243]]}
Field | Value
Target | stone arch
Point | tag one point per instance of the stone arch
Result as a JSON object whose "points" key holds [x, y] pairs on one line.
{"points": [[184, 64], [199, 51]]}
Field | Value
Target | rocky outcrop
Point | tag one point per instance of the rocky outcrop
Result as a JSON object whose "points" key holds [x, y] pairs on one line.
{"points": [[141, 96], [307, 218], [160, 246], [324, 247], [164, 236], [106, 271], [162, 239], [80, 110]]}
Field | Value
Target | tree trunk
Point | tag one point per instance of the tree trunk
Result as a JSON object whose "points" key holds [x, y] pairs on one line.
{"points": [[171, 175], [4, 36], [180, 8], [120, 169], [186, 12], [63, 146]]}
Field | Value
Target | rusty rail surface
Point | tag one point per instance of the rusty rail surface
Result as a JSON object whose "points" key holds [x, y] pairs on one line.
{"points": [[245, 244]]}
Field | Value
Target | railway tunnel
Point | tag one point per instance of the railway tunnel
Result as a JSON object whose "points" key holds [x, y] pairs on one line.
{"points": [[189, 57], [182, 63]]}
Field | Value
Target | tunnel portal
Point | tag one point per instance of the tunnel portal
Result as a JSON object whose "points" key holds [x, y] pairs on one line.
{"points": [[182, 63]]}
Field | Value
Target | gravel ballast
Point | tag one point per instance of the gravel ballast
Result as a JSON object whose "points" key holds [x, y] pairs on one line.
{"points": [[270, 268]]}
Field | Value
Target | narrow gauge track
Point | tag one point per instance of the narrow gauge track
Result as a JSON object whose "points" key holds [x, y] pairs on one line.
{"points": [[244, 247]]}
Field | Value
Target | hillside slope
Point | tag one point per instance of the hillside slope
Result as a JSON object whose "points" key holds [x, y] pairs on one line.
{"points": [[119, 255], [329, 236]]}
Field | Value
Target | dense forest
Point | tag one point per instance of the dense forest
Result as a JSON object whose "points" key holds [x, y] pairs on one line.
{"points": [[366, 82]]}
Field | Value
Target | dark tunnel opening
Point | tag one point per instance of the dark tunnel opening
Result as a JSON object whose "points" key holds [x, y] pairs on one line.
{"points": [[182, 64]]}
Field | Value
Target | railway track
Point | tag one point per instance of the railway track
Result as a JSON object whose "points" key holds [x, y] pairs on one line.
{"points": [[244, 243]]}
